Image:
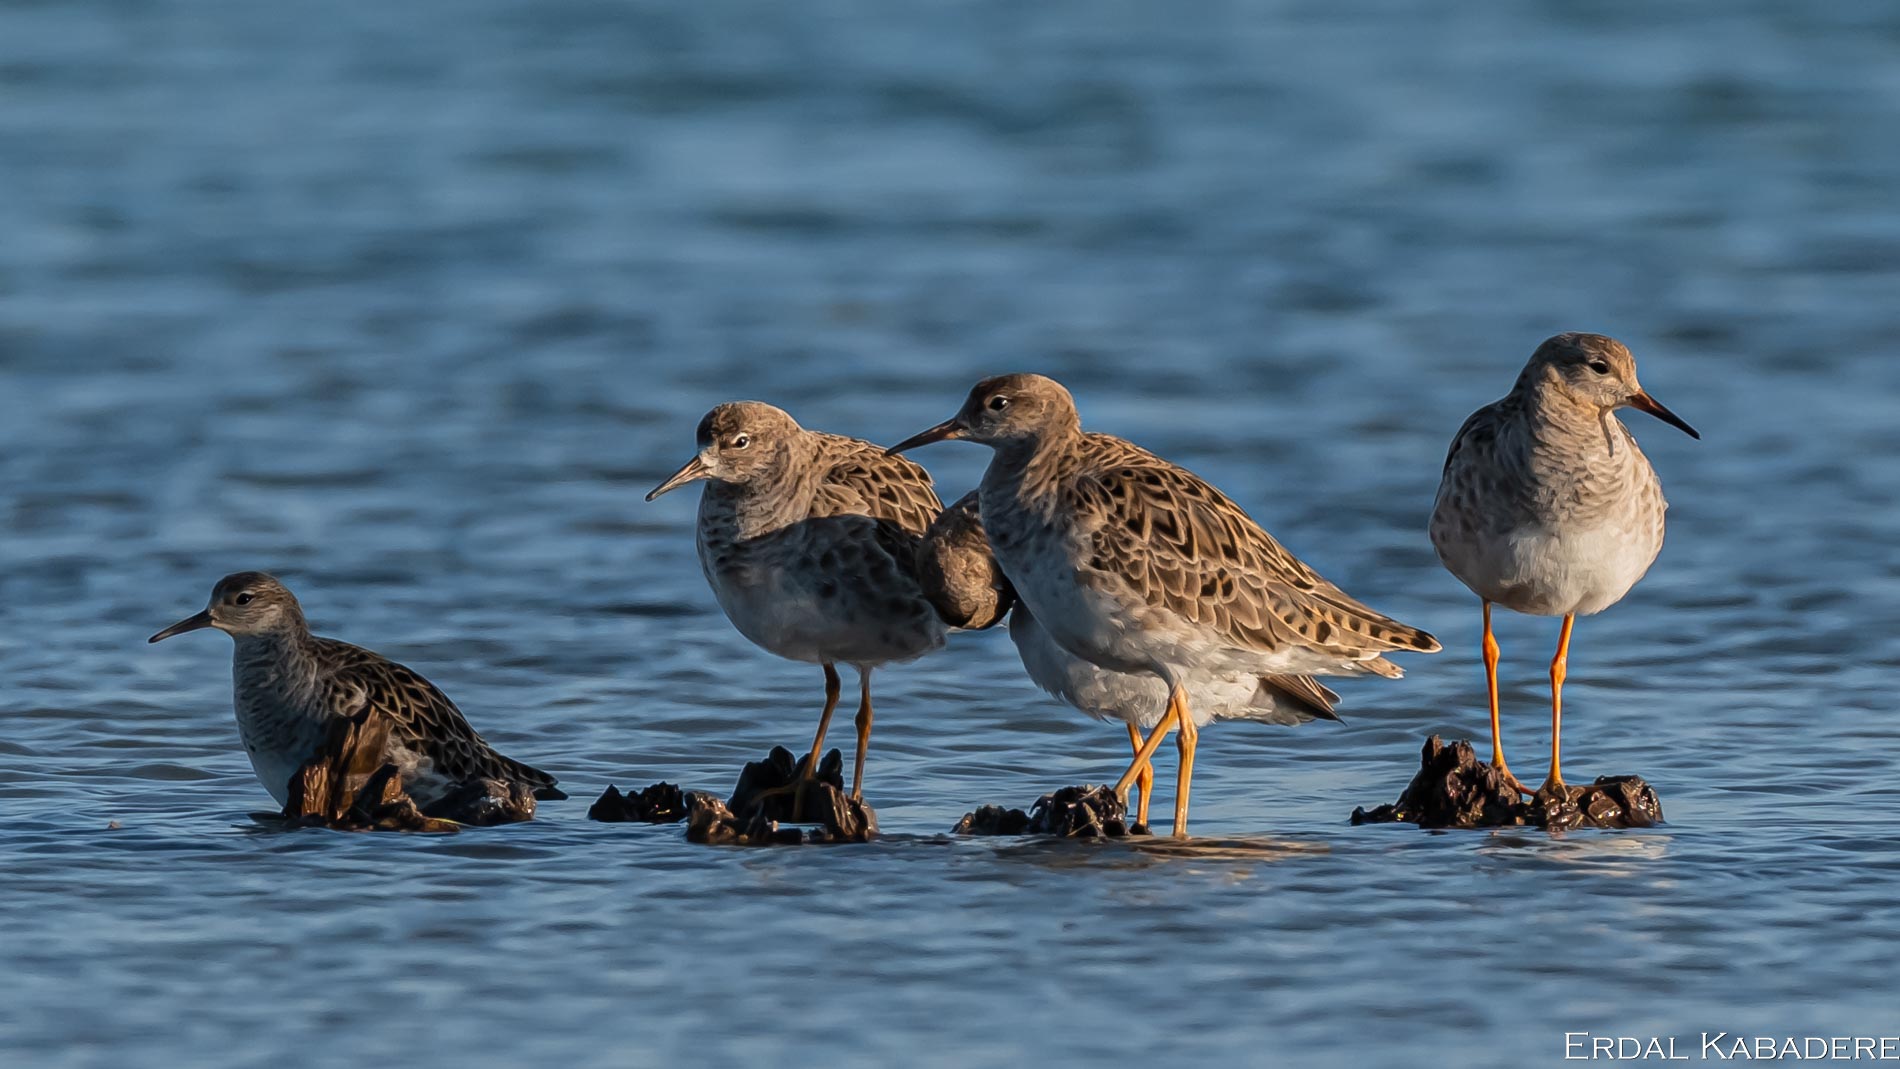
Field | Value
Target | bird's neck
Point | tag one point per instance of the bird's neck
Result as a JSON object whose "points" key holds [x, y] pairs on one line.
{"points": [[1548, 409], [768, 502], [1045, 450], [284, 658], [1029, 470]]}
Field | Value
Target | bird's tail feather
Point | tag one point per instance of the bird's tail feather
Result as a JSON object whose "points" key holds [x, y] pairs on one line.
{"points": [[1306, 692]]}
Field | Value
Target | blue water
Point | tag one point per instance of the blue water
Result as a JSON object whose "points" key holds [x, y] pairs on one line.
{"points": [[410, 303]]}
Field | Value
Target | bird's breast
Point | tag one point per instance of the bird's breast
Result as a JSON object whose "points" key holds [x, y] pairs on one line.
{"points": [[281, 724], [1560, 571]]}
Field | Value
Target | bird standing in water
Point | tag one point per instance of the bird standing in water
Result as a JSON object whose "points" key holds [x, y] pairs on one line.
{"points": [[809, 542], [1548, 507], [961, 565], [1136, 565]]}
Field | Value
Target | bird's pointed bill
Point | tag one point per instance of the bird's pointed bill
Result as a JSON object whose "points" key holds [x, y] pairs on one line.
{"points": [[190, 623], [1645, 403], [692, 471], [942, 432]]}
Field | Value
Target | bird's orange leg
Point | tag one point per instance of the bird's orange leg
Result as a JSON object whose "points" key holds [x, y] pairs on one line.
{"points": [[1491, 655], [833, 685], [1145, 779], [864, 735], [1186, 741], [1559, 669], [1145, 755]]}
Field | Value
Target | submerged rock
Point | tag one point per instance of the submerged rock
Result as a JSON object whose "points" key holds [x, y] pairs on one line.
{"points": [[1071, 813], [484, 803], [1610, 802], [1453, 789], [769, 792], [767, 806], [993, 820], [662, 803]]}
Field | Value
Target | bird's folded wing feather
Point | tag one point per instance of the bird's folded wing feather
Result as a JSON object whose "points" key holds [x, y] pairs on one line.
{"points": [[1318, 698], [861, 480], [1477, 432], [1183, 545], [423, 719]]}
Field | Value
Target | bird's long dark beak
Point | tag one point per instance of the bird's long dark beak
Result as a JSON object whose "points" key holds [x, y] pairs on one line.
{"points": [[942, 432], [693, 471], [1646, 403], [189, 623]]}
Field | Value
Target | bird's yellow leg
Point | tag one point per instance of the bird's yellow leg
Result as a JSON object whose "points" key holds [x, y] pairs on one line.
{"points": [[1559, 669], [1145, 779], [864, 734], [1491, 655], [1145, 755], [1186, 740]]}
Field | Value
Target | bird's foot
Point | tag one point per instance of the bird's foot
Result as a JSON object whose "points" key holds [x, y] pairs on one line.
{"points": [[796, 789], [1512, 782], [1553, 785]]}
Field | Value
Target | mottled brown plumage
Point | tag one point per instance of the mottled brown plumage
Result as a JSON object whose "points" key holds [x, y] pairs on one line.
{"points": [[1176, 542], [422, 719], [1534, 476], [963, 578], [290, 686], [1138, 566], [810, 544], [959, 573], [859, 479], [1547, 506]]}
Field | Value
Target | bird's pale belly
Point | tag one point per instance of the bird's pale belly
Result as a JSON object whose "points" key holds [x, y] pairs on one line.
{"points": [[278, 761], [1138, 698], [1545, 573], [279, 742], [1076, 617], [274, 772], [841, 629]]}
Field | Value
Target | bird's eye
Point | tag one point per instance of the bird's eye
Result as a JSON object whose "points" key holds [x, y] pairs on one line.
{"points": [[1600, 367], [740, 441], [998, 403], [244, 599]]}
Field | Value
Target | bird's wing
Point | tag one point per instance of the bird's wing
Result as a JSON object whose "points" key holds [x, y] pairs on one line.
{"points": [[959, 571], [1306, 692], [423, 719], [861, 480], [1478, 431], [1182, 544]]}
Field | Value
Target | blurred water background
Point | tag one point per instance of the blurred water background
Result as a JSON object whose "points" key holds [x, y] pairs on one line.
{"points": [[411, 302]]}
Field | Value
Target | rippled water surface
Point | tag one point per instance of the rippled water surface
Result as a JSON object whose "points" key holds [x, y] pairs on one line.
{"points": [[410, 303]]}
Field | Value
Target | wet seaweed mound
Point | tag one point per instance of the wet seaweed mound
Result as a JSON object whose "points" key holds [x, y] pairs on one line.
{"points": [[1070, 813], [1453, 789], [662, 803], [769, 806]]}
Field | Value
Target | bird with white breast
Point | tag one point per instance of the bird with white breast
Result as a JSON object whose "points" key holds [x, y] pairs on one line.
{"points": [[1548, 507]]}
